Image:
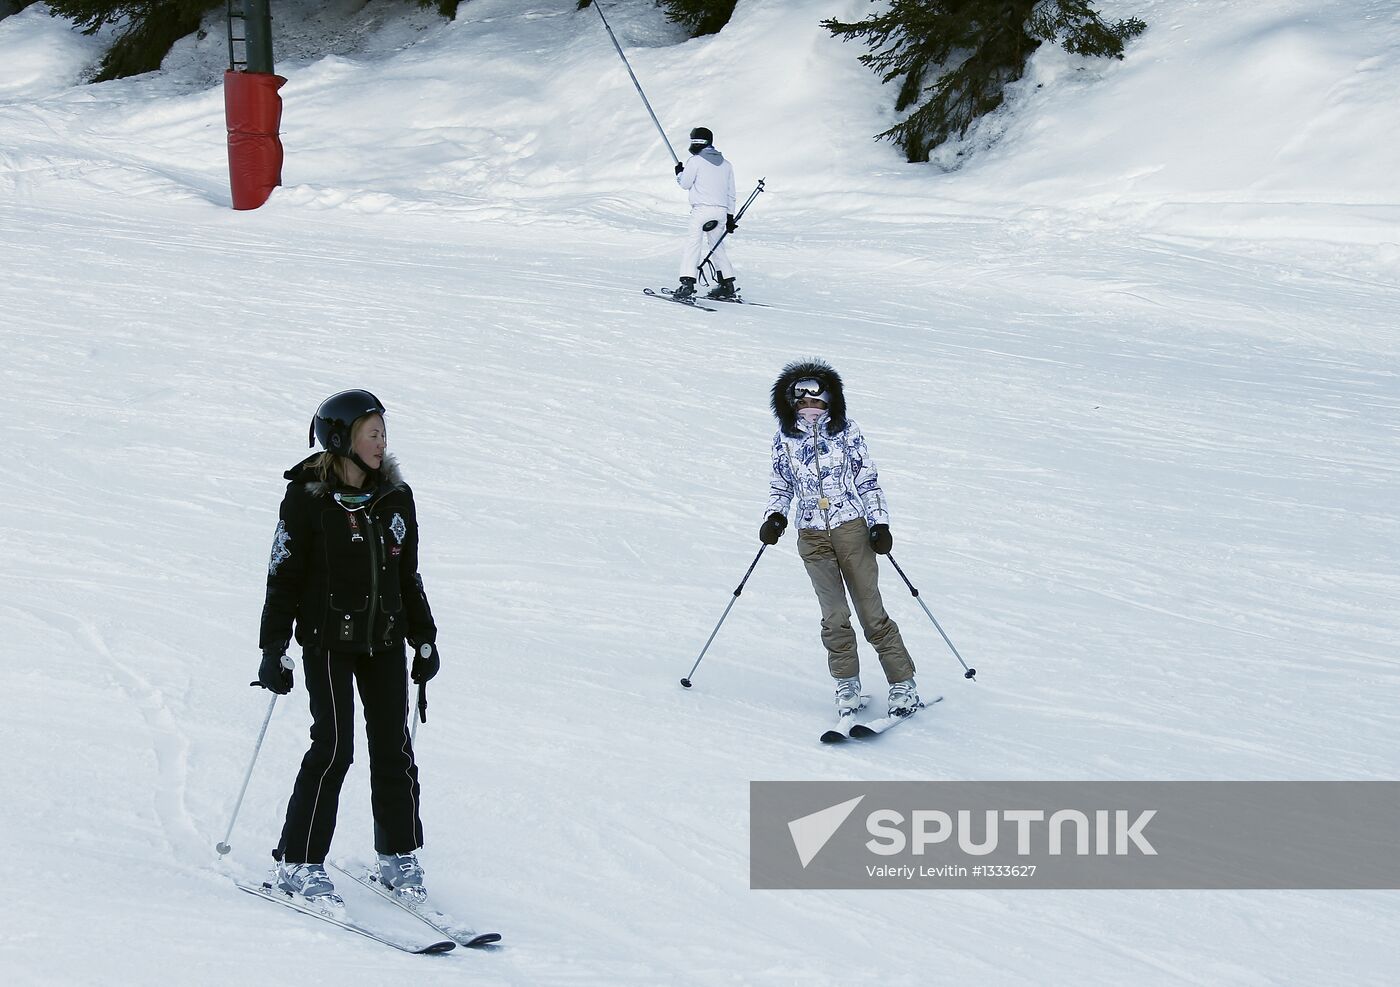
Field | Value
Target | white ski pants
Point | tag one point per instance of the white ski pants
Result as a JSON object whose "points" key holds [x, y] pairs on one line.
{"points": [[698, 242]]}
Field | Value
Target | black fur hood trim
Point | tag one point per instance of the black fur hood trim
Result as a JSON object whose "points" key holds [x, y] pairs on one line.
{"points": [[800, 370], [389, 476]]}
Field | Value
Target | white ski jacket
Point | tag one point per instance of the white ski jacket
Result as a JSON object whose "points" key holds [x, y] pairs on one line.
{"points": [[710, 180], [848, 478]]}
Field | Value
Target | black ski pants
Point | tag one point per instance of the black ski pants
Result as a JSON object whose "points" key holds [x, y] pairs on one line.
{"points": [[393, 775]]}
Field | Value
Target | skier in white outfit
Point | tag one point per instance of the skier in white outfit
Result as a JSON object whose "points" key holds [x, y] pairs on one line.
{"points": [[710, 180]]}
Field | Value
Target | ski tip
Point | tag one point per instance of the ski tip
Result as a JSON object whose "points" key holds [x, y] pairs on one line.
{"points": [[861, 730], [445, 946], [485, 939], [833, 737]]}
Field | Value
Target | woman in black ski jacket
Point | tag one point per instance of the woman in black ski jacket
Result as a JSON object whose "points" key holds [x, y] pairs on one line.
{"points": [[344, 574]]}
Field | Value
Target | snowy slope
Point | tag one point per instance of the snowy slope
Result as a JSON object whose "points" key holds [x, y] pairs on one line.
{"points": [[1137, 428]]}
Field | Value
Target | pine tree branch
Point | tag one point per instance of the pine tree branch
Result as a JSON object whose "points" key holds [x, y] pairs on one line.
{"points": [[975, 49]]}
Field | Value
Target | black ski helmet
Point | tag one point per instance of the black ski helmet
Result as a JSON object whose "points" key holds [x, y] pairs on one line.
{"points": [[702, 137], [337, 416]]}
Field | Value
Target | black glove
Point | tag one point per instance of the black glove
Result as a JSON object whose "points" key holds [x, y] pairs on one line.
{"points": [[679, 167], [729, 224], [772, 529], [272, 675], [425, 662], [881, 540]]}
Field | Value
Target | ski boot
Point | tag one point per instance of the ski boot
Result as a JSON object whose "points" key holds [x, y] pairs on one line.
{"points": [[403, 875], [685, 291], [308, 881], [904, 698], [724, 291], [848, 695]]}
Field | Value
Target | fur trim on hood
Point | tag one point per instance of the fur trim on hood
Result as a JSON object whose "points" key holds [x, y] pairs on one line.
{"points": [[389, 475], [801, 370]]}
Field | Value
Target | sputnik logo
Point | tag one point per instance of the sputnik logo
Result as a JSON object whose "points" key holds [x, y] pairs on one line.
{"points": [[812, 832]]}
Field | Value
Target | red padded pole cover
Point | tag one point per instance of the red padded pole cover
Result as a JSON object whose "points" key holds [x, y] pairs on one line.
{"points": [[253, 112]]}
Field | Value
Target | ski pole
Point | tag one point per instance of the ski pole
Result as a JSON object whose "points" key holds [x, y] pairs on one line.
{"points": [[422, 703], [223, 846], [737, 216], [422, 711], [970, 673], [599, 7], [739, 589]]}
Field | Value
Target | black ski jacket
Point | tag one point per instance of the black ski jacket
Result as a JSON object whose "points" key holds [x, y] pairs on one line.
{"points": [[346, 577]]}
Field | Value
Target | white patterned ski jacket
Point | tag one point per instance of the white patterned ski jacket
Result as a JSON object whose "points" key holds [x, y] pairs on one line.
{"points": [[849, 481]]}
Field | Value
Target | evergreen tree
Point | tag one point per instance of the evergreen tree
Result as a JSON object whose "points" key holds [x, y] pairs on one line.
{"points": [[700, 16], [153, 26], [972, 49], [696, 16]]}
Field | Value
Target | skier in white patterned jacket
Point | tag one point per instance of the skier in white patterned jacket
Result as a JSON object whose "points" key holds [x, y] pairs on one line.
{"points": [[710, 181], [821, 461]]}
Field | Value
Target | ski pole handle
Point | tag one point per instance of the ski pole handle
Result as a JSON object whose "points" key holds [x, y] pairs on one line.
{"points": [[285, 661], [749, 201], [422, 713]]}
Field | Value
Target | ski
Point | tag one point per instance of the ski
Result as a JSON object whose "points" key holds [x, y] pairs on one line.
{"points": [[431, 917], [845, 720], [405, 943], [876, 727], [666, 296], [737, 301], [842, 730]]}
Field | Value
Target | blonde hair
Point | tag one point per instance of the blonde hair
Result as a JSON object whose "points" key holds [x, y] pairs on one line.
{"points": [[330, 468], [326, 467]]}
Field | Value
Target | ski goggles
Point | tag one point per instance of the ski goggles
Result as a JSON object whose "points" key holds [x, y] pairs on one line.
{"points": [[809, 389], [354, 501]]}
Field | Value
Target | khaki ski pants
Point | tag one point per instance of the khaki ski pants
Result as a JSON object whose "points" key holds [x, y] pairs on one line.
{"points": [[839, 561]]}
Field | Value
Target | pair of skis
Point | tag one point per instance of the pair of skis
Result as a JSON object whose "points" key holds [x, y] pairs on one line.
{"points": [[848, 727], [669, 295], [363, 914]]}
